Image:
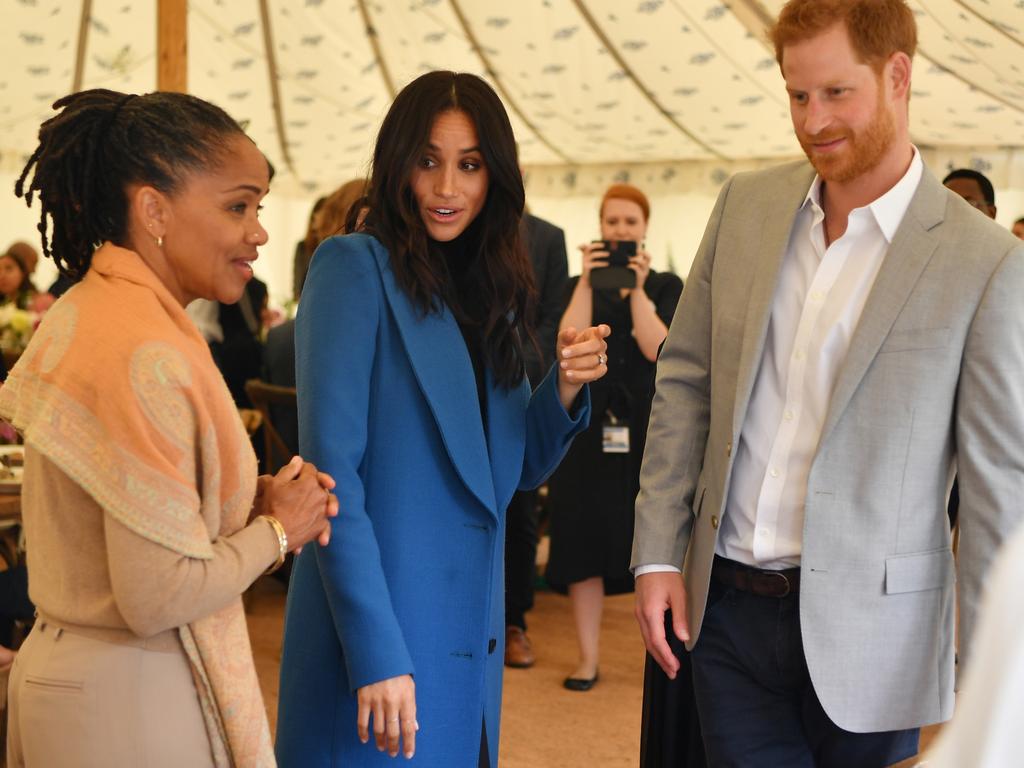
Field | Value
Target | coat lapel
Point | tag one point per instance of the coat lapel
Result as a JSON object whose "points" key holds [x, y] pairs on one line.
{"points": [[441, 364], [908, 255], [773, 238], [506, 436]]}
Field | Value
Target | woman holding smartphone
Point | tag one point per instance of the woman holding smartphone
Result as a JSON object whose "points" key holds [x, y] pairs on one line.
{"points": [[592, 493]]}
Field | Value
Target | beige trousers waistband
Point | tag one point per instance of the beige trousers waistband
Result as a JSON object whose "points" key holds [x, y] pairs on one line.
{"points": [[167, 641]]}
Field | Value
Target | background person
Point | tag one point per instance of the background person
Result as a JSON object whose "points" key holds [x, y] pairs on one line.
{"points": [[413, 393], [304, 249], [334, 212], [850, 331], [27, 255], [591, 495], [143, 514], [15, 283], [545, 244], [974, 187]]}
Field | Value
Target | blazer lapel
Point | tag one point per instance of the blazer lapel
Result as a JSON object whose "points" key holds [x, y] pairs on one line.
{"points": [[773, 238], [441, 364], [908, 255]]}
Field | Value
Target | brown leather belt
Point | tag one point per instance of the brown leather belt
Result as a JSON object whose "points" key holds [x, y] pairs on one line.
{"points": [[755, 580]]}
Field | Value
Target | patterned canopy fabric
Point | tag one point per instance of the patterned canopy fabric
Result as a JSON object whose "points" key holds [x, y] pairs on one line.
{"points": [[662, 85]]}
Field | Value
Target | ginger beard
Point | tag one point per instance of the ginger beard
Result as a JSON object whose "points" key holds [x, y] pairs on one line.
{"points": [[864, 150]]}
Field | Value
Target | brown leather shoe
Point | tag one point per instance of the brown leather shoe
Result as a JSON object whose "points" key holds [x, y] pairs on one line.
{"points": [[518, 650]]}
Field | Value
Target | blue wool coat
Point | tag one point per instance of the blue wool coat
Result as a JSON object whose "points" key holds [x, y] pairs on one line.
{"points": [[412, 582]]}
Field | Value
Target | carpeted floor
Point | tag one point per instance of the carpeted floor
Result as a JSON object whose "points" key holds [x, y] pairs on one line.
{"points": [[543, 725]]}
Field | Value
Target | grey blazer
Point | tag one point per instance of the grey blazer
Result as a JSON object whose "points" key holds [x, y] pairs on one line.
{"points": [[934, 380]]}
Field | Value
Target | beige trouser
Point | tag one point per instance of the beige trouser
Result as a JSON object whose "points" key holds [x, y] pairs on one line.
{"points": [[76, 701]]}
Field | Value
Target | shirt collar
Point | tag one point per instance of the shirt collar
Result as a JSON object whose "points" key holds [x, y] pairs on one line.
{"points": [[889, 209]]}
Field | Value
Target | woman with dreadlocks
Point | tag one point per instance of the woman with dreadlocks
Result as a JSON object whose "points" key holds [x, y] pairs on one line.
{"points": [[144, 517]]}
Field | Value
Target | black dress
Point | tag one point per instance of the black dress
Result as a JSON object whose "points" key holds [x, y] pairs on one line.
{"points": [[592, 493]]}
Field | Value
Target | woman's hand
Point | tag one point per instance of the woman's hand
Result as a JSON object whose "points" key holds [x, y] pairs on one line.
{"points": [[582, 358], [301, 500], [594, 256], [641, 265], [392, 703]]}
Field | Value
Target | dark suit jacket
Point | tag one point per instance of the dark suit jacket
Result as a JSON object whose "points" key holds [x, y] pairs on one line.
{"points": [[279, 369], [240, 355], [546, 245]]}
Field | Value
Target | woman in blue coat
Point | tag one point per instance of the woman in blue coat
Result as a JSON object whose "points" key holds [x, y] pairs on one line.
{"points": [[412, 395]]}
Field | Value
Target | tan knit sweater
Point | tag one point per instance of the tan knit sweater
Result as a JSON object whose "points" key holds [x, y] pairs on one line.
{"points": [[86, 569]]}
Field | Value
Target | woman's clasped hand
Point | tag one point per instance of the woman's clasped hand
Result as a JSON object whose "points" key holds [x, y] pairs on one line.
{"points": [[299, 497]]}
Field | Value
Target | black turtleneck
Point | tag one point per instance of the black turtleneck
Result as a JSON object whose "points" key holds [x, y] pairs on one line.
{"points": [[463, 299]]}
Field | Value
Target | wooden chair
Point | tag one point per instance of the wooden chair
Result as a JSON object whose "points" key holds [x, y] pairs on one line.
{"points": [[11, 357], [276, 452]]}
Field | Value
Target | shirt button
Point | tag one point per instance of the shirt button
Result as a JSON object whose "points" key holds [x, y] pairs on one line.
{"points": [[773, 472], [788, 415], [799, 355], [762, 532], [818, 296]]}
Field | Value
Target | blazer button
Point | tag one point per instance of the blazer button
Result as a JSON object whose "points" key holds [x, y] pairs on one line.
{"points": [[728, 450], [714, 522], [491, 645]]}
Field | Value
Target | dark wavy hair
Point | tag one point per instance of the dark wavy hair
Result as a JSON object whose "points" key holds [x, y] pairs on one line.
{"points": [[501, 276], [100, 142]]}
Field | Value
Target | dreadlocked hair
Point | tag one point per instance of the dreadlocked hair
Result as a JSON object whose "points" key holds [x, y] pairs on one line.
{"points": [[98, 144]]}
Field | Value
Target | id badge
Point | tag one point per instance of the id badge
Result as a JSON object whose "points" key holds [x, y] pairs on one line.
{"points": [[615, 438]]}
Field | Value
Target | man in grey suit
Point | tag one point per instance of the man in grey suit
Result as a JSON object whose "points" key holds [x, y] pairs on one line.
{"points": [[850, 334]]}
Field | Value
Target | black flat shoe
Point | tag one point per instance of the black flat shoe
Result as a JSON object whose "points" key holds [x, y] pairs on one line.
{"points": [[580, 683]]}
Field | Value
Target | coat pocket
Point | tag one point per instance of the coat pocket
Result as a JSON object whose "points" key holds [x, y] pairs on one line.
{"points": [[53, 685], [916, 338], [919, 571]]}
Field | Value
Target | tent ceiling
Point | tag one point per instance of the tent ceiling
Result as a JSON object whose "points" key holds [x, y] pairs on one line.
{"points": [[586, 81]]}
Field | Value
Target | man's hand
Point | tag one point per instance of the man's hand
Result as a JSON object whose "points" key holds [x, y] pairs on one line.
{"points": [[655, 594]]}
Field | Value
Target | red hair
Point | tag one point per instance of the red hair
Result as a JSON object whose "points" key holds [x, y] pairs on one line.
{"points": [[626, 192], [877, 28]]}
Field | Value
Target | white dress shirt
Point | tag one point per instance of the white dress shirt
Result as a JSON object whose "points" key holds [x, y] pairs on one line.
{"points": [[818, 301]]}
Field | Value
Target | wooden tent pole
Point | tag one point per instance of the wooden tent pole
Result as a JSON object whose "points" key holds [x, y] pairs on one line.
{"points": [[172, 45], [83, 41]]}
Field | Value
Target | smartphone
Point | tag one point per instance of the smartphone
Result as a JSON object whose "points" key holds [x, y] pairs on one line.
{"points": [[617, 274]]}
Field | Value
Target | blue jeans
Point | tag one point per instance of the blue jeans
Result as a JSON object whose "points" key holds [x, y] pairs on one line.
{"points": [[756, 702]]}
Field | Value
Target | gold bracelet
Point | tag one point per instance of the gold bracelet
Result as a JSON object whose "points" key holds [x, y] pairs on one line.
{"points": [[282, 542]]}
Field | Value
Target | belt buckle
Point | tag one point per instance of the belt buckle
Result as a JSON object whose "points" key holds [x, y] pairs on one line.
{"points": [[785, 582]]}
